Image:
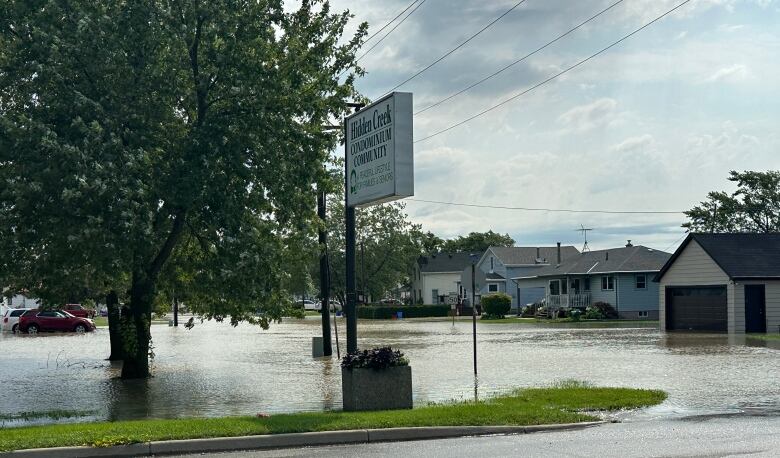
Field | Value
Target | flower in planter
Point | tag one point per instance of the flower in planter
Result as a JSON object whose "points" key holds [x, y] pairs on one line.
{"points": [[376, 358]]}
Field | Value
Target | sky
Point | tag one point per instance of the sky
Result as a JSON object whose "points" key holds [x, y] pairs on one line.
{"points": [[653, 124]]}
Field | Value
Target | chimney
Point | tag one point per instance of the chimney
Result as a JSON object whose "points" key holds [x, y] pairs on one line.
{"points": [[629, 245], [559, 253]]}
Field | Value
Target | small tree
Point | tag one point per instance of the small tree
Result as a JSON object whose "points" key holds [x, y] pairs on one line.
{"points": [[496, 305]]}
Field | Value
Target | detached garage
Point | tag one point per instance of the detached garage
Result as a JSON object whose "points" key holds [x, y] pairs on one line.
{"points": [[722, 283]]}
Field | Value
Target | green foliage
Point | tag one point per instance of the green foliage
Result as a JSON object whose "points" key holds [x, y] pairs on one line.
{"points": [[409, 311], [166, 145], [535, 406], [606, 309], [753, 207], [476, 242], [593, 313], [496, 304], [375, 358], [575, 315]]}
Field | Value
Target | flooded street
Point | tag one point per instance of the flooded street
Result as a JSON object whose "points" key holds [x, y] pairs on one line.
{"points": [[216, 370]]}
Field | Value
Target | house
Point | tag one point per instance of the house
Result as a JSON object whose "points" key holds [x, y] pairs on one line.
{"points": [[722, 283], [437, 276], [502, 264], [621, 277]]}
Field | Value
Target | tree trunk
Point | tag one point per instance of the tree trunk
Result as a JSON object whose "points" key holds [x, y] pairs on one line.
{"points": [[114, 326], [175, 311], [136, 345]]}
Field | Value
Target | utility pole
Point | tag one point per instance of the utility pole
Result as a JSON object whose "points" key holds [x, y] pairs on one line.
{"points": [[474, 311], [327, 349], [363, 271], [349, 217]]}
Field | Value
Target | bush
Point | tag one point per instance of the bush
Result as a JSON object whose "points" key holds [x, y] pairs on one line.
{"points": [[575, 314], [376, 358], [380, 312], [496, 305], [528, 311], [606, 309], [592, 313]]}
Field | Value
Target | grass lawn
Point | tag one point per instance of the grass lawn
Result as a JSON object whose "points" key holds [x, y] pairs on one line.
{"points": [[514, 319], [563, 404], [764, 336], [102, 321]]}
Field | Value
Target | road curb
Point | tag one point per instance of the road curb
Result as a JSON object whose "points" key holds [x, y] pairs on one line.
{"points": [[292, 440]]}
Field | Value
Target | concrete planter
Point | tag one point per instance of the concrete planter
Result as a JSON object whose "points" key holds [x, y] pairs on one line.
{"points": [[369, 389]]}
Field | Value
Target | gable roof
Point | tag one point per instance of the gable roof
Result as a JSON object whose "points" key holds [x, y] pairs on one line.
{"points": [[741, 256], [636, 258], [526, 255], [445, 262]]}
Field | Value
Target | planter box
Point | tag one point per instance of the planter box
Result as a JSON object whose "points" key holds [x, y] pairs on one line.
{"points": [[367, 389]]}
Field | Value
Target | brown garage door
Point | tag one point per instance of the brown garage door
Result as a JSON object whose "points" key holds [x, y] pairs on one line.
{"points": [[696, 309]]}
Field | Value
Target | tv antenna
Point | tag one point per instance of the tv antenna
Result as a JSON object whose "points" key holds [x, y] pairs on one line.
{"points": [[584, 231]]}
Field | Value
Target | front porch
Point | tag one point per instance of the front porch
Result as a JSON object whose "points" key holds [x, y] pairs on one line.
{"points": [[567, 301]]}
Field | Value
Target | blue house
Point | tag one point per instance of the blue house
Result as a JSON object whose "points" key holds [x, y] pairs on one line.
{"points": [[621, 277], [501, 264]]}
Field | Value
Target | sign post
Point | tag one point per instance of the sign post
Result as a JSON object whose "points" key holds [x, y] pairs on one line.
{"points": [[379, 167]]}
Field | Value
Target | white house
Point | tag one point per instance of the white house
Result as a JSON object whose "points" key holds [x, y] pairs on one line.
{"points": [[437, 276], [722, 283]]}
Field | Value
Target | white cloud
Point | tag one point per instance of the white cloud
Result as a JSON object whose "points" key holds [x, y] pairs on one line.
{"points": [[586, 117], [732, 74], [641, 142]]}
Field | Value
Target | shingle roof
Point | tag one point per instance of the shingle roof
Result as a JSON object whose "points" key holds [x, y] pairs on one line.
{"points": [[494, 276], [741, 256], [518, 255], [624, 259], [446, 262]]}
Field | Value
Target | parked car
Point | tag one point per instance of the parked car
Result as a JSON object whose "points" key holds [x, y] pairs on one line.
{"points": [[307, 304], [390, 301], [335, 306], [79, 310], [34, 321], [10, 322]]}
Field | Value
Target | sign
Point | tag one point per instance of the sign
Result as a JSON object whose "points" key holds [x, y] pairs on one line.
{"points": [[380, 163]]}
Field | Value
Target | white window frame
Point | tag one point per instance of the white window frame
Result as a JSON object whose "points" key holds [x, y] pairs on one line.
{"points": [[491, 286], [644, 281], [644, 314], [605, 279]]}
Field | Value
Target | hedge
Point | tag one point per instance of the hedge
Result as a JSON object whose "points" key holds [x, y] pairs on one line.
{"points": [[379, 312]]}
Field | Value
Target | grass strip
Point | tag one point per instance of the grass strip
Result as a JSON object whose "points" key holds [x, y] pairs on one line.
{"points": [[764, 336], [534, 406]]}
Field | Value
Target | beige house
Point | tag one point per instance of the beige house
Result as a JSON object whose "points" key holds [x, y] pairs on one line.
{"points": [[437, 276], [722, 283]]}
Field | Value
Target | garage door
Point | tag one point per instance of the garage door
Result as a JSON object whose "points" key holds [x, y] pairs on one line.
{"points": [[696, 309]]}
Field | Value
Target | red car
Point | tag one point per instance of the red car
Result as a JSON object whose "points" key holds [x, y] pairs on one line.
{"points": [[34, 321], [79, 311]]}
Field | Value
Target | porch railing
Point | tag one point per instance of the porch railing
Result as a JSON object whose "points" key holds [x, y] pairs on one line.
{"points": [[578, 300]]}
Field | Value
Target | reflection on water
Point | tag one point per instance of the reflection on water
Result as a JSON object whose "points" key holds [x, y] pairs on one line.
{"points": [[216, 370]]}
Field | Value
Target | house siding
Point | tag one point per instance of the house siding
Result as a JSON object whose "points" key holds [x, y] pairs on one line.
{"points": [[599, 295], [445, 282], [694, 267], [632, 300], [772, 300]]}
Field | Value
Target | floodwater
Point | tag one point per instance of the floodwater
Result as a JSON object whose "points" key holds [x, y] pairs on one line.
{"points": [[217, 370]]}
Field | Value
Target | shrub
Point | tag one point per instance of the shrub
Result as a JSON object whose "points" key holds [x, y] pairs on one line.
{"points": [[379, 312], [592, 313], [575, 315], [376, 358], [496, 304], [606, 309], [528, 311]]}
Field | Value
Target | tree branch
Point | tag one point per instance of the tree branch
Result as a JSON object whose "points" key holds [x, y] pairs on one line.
{"points": [[167, 248]]}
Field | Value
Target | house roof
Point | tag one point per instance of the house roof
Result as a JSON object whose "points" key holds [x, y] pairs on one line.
{"points": [[525, 255], [446, 262], [494, 276], [624, 259], [741, 256]]}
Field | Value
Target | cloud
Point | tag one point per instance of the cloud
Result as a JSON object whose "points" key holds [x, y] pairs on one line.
{"points": [[586, 117], [731, 74], [634, 143]]}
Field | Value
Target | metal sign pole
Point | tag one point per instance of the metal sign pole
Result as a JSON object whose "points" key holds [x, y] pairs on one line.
{"points": [[474, 312], [349, 216], [327, 348]]}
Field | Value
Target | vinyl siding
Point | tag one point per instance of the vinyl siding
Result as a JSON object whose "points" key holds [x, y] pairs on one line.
{"points": [[631, 299], [445, 282], [599, 295], [772, 297], [694, 267]]}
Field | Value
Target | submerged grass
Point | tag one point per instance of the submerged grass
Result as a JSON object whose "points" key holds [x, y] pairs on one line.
{"points": [[560, 404], [56, 414], [764, 336]]}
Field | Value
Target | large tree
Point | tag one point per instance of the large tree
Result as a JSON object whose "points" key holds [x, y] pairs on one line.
{"points": [[477, 241], [753, 207], [134, 134]]}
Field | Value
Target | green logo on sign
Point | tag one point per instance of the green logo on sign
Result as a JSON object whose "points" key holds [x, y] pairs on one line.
{"points": [[352, 178]]}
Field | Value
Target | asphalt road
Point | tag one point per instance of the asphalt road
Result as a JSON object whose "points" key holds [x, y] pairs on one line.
{"points": [[710, 436]]}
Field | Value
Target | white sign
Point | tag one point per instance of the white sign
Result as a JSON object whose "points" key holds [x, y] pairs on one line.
{"points": [[380, 163]]}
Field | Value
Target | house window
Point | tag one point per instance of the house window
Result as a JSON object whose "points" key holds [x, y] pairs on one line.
{"points": [[555, 287], [586, 281], [491, 264], [575, 285], [492, 287], [643, 314], [608, 283], [641, 282], [435, 296]]}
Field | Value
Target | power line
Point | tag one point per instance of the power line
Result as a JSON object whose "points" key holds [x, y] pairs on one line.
{"points": [[676, 241], [603, 50], [373, 35], [546, 45], [556, 210], [445, 55], [388, 33]]}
